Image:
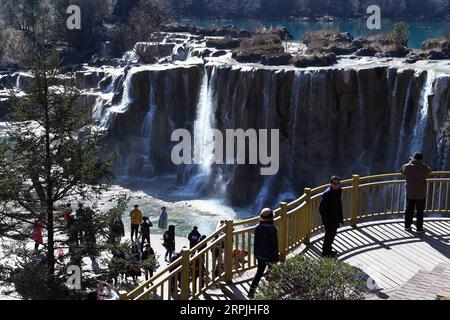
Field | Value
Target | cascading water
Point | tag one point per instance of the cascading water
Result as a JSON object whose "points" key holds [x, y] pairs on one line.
{"points": [[422, 114], [146, 130], [403, 125], [18, 85], [364, 168], [203, 127]]}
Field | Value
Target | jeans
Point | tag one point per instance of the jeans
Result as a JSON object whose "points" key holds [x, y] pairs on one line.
{"points": [[330, 234], [134, 231], [412, 204]]}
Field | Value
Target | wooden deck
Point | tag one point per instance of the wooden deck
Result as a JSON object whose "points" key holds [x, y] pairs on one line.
{"points": [[386, 252]]}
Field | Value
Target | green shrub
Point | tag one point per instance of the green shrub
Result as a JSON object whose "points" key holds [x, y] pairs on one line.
{"points": [[304, 278], [400, 34]]}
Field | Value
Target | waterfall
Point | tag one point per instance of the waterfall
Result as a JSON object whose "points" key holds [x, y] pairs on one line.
{"points": [[203, 126], [361, 129], [422, 114], [401, 142], [146, 130], [18, 83]]}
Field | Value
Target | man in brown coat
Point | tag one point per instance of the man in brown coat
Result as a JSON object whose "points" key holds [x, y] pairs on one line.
{"points": [[416, 173]]}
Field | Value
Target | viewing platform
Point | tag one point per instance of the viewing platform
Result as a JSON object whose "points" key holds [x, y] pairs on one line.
{"points": [[399, 264]]}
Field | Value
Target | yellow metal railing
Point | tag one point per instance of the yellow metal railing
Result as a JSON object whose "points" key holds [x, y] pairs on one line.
{"points": [[229, 250]]}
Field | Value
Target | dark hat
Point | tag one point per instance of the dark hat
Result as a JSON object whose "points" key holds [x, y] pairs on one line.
{"points": [[144, 218], [266, 214], [195, 228], [417, 156], [136, 205]]}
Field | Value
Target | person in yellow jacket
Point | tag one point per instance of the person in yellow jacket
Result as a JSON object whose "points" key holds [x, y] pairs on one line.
{"points": [[136, 220]]}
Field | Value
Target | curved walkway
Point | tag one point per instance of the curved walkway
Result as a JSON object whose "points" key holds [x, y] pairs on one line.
{"points": [[403, 265]]}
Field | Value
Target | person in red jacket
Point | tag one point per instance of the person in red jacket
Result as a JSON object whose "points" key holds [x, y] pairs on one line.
{"points": [[37, 234]]}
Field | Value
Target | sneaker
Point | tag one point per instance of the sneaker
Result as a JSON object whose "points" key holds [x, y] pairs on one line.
{"points": [[408, 229], [420, 231]]}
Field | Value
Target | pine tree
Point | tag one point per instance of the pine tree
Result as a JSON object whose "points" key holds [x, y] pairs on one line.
{"points": [[50, 153]]}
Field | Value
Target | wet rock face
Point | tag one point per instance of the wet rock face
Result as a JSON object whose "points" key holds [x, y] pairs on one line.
{"points": [[331, 121]]}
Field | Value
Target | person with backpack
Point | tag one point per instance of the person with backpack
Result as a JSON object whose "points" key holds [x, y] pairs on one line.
{"points": [[193, 237], [169, 242], [145, 230], [136, 220]]}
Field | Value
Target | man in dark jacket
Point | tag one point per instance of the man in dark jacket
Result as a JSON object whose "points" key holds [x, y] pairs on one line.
{"points": [[193, 237], [331, 211], [145, 230], [416, 173], [265, 246]]}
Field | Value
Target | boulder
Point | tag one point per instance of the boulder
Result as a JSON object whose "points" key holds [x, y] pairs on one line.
{"points": [[276, 59], [247, 57], [218, 53], [366, 52], [223, 43], [314, 60], [393, 52], [151, 52]]}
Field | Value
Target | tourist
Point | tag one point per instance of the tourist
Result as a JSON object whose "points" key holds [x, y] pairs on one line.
{"points": [[175, 280], [37, 234], [80, 212], [145, 230], [67, 212], [265, 246], [203, 237], [220, 224], [163, 218], [193, 237], [136, 220], [169, 242], [106, 291], [330, 209], [416, 173], [148, 253]]}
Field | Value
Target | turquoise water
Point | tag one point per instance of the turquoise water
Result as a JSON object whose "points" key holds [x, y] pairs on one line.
{"points": [[419, 31]]}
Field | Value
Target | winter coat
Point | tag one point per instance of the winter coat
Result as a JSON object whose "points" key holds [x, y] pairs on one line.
{"points": [[193, 238], [266, 242], [37, 233], [169, 241], [136, 216], [162, 222], [416, 173], [145, 228], [331, 207]]}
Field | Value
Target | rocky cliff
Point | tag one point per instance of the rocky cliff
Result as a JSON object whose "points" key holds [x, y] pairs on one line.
{"points": [[362, 115]]}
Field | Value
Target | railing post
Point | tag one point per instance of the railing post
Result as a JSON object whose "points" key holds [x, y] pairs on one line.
{"points": [[283, 241], [308, 215], [228, 250], [355, 198], [123, 295], [184, 274]]}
